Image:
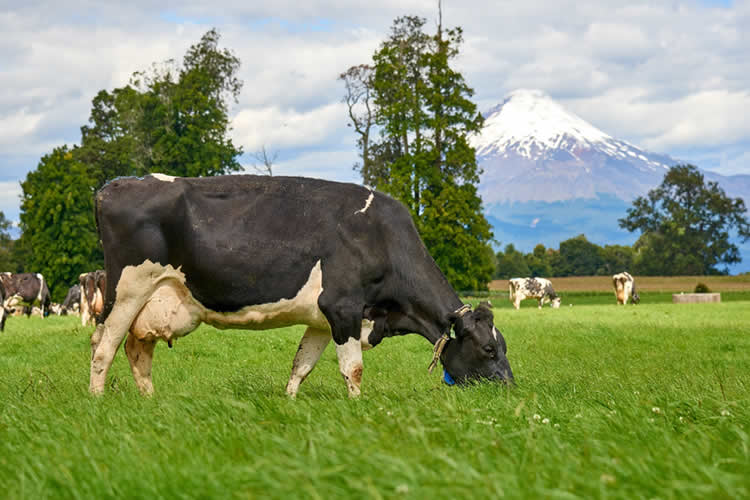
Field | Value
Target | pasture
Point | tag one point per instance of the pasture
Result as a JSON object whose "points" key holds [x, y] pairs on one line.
{"points": [[651, 401]]}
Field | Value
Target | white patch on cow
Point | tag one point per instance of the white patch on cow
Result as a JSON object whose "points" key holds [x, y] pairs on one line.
{"points": [[494, 333], [367, 204], [163, 177], [364, 335], [350, 364], [170, 310], [41, 287]]}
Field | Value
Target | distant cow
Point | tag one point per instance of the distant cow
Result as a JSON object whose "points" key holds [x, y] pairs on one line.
{"points": [[72, 302], [3, 311], [625, 288], [25, 290], [532, 288], [92, 286], [260, 252]]}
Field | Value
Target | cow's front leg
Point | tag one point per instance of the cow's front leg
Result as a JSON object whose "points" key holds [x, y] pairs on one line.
{"points": [[540, 301], [310, 348], [350, 364], [141, 355]]}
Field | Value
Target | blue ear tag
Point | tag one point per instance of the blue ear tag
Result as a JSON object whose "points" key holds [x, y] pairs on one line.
{"points": [[447, 378]]}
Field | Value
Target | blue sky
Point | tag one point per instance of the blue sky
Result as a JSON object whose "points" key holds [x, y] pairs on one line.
{"points": [[671, 76]]}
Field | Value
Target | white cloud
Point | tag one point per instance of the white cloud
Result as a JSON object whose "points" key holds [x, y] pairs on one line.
{"points": [[333, 165], [10, 195], [277, 129]]}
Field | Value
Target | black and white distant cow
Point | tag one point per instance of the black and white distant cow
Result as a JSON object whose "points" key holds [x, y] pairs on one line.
{"points": [[532, 288], [92, 286], [26, 290], [258, 252], [72, 302], [625, 288], [3, 311]]}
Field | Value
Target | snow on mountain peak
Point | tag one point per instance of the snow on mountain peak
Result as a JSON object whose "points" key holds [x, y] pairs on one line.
{"points": [[531, 122]]}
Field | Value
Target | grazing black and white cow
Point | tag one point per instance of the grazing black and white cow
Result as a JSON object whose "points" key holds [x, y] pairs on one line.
{"points": [[24, 291], [258, 252], [72, 302], [92, 287], [625, 288], [532, 288]]}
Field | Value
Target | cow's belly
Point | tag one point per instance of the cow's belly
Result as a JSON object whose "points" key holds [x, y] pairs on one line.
{"points": [[171, 311]]}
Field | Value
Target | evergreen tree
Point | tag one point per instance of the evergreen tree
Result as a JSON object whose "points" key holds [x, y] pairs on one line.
{"points": [[424, 113]]}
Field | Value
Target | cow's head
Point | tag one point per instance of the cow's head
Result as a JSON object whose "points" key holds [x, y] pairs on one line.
{"points": [[555, 303], [478, 350]]}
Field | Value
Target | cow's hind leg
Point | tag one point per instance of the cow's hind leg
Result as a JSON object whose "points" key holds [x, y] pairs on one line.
{"points": [[141, 355], [310, 348], [106, 339]]}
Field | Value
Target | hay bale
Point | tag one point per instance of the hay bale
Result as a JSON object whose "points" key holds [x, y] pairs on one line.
{"points": [[695, 298]]}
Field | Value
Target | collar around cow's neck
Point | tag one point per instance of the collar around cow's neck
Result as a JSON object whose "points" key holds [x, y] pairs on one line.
{"points": [[443, 340]]}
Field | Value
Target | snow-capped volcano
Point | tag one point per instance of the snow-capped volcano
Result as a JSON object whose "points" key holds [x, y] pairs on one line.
{"points": [[531, 148]]}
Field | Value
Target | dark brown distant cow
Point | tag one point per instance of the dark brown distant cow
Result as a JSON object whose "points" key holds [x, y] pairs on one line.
{"points": [[72, 302], [26, 290], [92, 286]]}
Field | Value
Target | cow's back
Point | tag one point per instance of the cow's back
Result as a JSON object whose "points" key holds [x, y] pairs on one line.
{"points": [[248, 239]]}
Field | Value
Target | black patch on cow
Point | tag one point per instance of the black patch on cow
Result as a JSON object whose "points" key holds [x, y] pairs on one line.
{"points": [[550, 292], [533, 286]]}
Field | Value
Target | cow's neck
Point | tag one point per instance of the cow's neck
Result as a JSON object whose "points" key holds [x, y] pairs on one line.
{"points": [[430, 311]]}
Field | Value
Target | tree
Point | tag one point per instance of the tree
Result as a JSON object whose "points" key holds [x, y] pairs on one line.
{"points": [[686, 224], [266, 160], [7, 254], [579, 257], [538, 262], [59, 236], [511, 264], [171, 119], [424, 114], [617, 258], [358, 82]]}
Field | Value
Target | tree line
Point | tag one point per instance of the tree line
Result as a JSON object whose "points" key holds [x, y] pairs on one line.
{"points": [[685, 227]]}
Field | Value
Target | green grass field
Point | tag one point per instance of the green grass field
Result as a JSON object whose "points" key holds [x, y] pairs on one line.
{"points": [[651, 401]]}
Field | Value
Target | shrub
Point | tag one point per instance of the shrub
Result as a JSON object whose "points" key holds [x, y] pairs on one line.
{"points": [[702, 288]]}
